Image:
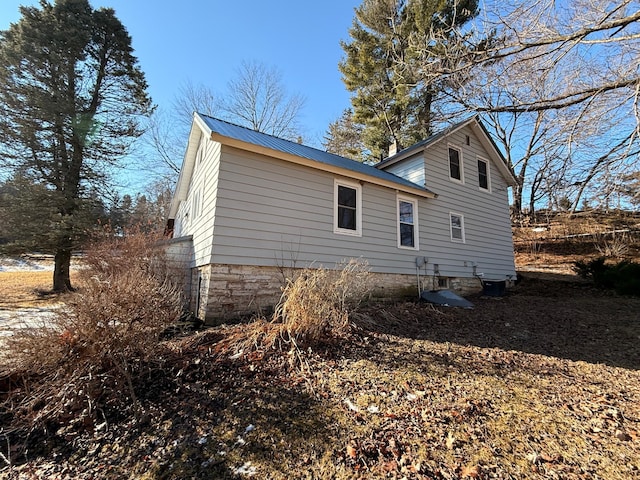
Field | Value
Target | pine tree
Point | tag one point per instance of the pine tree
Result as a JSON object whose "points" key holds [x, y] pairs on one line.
{"points": [[71, 99], [391, 43], [344, 137]]}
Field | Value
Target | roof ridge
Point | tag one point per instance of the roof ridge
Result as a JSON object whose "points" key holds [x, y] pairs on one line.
{"points": [[263, 133]]}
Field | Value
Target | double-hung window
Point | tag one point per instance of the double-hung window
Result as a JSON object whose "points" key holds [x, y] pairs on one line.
{"points": [[457, 227], [347, 208], [484, 181], [407, 223], [455, 164]]}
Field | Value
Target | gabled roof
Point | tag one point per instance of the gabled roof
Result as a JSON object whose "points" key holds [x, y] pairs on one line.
{"points": [[258, 142], [478, 128]]}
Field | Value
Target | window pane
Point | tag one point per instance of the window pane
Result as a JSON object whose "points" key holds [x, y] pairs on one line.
{"points": [[454, 163], [406, 235], [456, 227], [483, 181], [347, 218], [406, 212], [346, 196]]}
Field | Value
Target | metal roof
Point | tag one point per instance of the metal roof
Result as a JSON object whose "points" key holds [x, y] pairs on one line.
{"points": [[271, 142], [427, 142]]}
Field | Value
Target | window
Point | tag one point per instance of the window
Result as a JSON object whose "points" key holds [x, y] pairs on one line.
{"points": [[457, 227], [407, 223], [483, 174], [455, 164], [347, 208]]}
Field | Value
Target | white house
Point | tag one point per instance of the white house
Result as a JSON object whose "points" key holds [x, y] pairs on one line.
{"points": [[249, 207]]}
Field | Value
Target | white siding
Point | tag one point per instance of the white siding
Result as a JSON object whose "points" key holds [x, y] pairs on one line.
{"points": [[199, 222], [274, 213], [412, 169], [487, 225]]}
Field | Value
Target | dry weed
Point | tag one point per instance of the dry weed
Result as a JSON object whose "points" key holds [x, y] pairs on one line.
{"points": [[615, 246], [314, 309], [90, 354]]}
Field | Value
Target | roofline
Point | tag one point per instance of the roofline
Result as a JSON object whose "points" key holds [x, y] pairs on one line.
{"points": [[247, 146], [474, 121]]}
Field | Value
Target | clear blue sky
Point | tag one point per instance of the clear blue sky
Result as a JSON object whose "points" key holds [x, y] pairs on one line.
{"points": [[204, 41]]}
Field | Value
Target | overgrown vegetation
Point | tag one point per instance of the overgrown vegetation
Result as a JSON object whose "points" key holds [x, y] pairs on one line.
{"points": [[623, 277], [542, 384], [84, 363], [315, 309]]}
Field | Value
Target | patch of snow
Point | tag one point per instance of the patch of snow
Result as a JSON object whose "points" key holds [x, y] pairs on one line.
{"points": [[351, 405], [17, 318], [10, 264], [246, 469]]}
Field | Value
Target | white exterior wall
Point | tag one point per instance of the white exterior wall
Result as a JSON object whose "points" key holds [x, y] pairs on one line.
{"points": [[274, 213], [196, 214], [488, 238]]}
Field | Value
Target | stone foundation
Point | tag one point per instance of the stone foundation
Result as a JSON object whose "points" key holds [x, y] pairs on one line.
{"points": [[223, 292]]}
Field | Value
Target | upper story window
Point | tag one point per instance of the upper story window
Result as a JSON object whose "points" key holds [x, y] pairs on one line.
{"points": [[457, 227], [347, 211], [407, 223], [455, 164], [484, 181]]}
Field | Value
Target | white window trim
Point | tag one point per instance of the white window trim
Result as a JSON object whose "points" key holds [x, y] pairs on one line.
{"points": [[461, 159], [416, 230], [358, 188], [457, 240], [488, 189]]}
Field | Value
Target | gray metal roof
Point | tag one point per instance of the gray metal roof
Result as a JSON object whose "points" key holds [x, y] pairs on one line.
{"points": [[247, 135]]}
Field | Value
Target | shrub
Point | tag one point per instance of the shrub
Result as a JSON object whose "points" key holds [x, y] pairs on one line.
{"points": [[88, 358], [314, 309], [623, 277]]}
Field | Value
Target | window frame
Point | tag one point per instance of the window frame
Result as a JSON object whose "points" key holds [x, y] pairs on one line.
{"points": [[416, 229], [462, 229], [488, 173], [460, 162], [358, 188]]}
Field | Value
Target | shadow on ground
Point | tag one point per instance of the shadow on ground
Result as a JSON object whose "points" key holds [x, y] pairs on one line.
{"points": [[569, 320]]}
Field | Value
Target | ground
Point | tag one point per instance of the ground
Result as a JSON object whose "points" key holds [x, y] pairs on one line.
{"points": [[542, 383]]}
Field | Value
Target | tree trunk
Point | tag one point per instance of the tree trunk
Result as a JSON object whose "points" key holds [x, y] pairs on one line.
{"points": [[61, 272]]}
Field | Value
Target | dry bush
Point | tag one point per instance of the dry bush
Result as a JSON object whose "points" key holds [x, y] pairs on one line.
{"points": [[88, 358], [615, 246], [314, 309]]}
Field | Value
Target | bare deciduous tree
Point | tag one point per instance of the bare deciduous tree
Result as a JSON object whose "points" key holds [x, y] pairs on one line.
{"points": [[256, 98], [559, 83]]}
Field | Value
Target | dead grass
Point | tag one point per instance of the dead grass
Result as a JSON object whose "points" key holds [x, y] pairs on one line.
{"points": [[27, 289], [544, 383], [314, 310], [68, 373]]}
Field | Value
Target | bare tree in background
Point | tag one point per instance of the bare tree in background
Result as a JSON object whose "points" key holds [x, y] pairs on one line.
{"points": [[559, 82], [256, 98], [168, 129]]}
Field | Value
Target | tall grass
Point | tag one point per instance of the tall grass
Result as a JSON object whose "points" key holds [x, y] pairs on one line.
{"points": [[314, 309]]}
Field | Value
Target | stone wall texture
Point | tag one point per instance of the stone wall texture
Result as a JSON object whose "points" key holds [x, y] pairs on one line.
{"points": [[223, 292]]}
